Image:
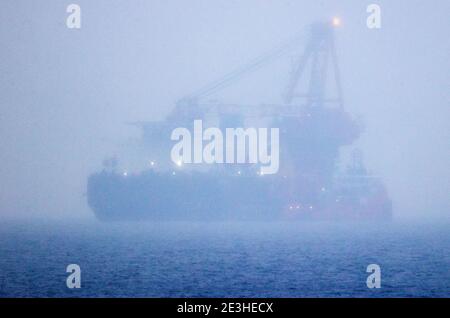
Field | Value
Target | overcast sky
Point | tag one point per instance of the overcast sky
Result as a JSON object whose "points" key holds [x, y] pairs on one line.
{"points": [[66, 95]]}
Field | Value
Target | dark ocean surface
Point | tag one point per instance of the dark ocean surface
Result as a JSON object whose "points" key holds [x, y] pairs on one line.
{"points": [[224, 260]]}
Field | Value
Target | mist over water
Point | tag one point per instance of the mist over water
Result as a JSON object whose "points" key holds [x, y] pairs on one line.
{"points": [[224, 259]]}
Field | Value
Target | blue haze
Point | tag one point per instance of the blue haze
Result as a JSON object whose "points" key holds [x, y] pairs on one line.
{"points": [[66, 96]]}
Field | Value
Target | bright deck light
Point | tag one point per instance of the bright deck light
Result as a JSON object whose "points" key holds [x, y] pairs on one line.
{"points": [[336, 22]]}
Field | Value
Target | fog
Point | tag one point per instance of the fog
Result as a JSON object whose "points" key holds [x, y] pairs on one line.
{"points": [[66, 95]]}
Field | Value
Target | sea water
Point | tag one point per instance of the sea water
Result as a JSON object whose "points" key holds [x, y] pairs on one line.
{"points": [[224, 259]]}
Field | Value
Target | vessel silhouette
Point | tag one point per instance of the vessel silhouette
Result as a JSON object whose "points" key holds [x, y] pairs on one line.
{"points": [[313, 127]]}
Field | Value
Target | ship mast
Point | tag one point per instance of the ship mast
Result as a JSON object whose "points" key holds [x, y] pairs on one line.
{"points": [[319, 53]]}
